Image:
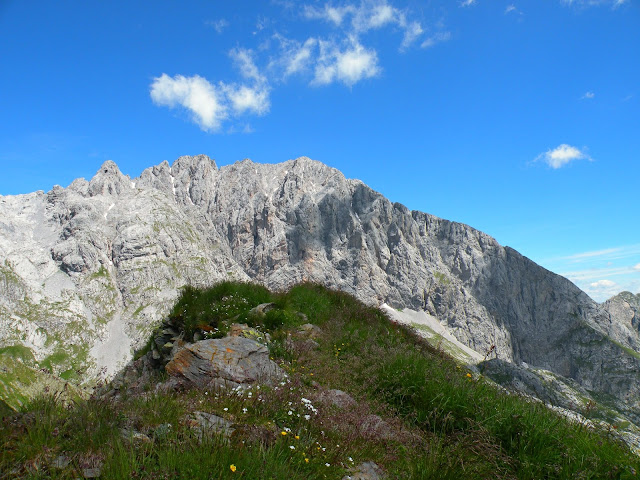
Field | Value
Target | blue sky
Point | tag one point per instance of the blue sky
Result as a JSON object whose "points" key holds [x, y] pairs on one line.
{"points": [[519, 118]]}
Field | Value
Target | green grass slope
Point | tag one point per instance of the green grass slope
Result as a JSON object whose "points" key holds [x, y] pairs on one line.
{"points": [[418, 414]]}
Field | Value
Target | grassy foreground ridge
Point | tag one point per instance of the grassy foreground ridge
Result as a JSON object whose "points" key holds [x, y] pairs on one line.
{"points": [[418, 414]]}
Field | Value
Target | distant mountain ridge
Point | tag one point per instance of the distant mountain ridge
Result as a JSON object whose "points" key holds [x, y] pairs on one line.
{"points": [[87, 271]]}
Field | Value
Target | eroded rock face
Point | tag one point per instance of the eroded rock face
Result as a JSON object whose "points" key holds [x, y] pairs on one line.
{"points": [[228, 361], [91, 269]]}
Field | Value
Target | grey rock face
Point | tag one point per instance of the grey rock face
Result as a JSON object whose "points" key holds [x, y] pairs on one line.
{"points": [[229, 361], [88, 271]]}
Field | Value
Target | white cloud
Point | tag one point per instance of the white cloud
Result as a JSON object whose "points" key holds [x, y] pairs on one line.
{"points": [[596, 253], [348, 66], [295, 57], [603, 289], [637, 267], [468, 3], [242, 97], [435, 39], [210, 105], [561, 156], [196, 94], [252, 99], [218, 25], [243, 58], [368, 15], [594, 3], [510, 8], [331, 14], [411, 34], [588, 95]]}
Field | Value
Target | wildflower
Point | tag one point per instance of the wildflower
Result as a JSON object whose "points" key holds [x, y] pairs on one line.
{"points": [[283, 433], [244, 410], [225, 409], [290, 412], [327, 464], [350, 459], [292, 447], [306, 460], [232, 467], [297, 437], [469, 375], [307, 417]]}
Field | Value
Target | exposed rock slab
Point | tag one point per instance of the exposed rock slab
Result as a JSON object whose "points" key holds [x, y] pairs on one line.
{"points": [[224, 361]]}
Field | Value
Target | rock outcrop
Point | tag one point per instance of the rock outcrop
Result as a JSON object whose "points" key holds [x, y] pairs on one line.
{"points": [[225, 362], [87, 272]]}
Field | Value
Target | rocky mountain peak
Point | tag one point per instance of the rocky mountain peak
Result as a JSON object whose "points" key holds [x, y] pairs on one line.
{"points": [[108, 180]]}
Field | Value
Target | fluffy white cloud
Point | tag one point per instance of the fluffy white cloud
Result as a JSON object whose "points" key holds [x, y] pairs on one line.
{"points": [[561, 156], [251, 99], [210, 105], [603, 283], [435, 39], [204, 101], [637, 267], [348, 66]]}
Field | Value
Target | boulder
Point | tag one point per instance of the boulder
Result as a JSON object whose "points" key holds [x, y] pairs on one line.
{"points": [[207, 424], [229, 361], [308, 331], [366, 471], [337, 398]]}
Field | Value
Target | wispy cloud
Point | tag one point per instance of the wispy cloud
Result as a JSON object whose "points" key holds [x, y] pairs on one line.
{"points": [[588, 96], [601, 273], [435, 39], [468, 3], [561, 155], [294, 56], [218, 25], [604, 255], [359, 19], [595, 3]]}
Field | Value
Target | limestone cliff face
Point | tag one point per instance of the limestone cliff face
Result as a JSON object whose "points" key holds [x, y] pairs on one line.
{"points": [[87, 271]]}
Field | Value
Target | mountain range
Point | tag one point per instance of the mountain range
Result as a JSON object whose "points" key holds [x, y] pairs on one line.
{"points": [[88, 271]]}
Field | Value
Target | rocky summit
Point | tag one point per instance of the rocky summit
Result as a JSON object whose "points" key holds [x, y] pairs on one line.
{"points": [[88, 271]]}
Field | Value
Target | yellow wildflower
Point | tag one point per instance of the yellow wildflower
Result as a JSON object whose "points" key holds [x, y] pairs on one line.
{"points": [[232, 467], [283, 433]]}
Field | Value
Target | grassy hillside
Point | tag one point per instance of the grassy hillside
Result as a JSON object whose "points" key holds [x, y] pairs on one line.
{"points": [[417, 413]]}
